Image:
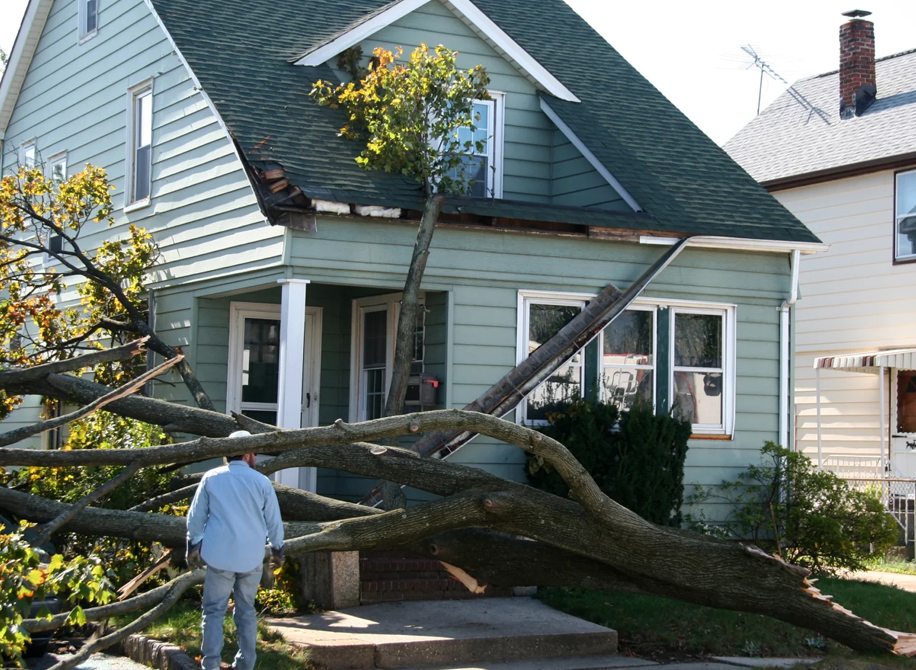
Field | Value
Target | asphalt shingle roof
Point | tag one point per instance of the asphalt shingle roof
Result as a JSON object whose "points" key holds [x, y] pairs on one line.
{"points": [[801, 132], [241, 52]]}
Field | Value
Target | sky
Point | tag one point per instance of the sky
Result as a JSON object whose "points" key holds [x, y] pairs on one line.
{"points": [[692, 52]]}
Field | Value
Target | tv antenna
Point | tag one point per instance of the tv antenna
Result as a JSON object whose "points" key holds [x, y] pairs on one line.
{"points": [[764, 67]]}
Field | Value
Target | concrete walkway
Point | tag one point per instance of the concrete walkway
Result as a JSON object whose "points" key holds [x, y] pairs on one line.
{"points": [[905, 582]]}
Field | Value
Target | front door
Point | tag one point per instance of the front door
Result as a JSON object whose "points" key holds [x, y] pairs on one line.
{"points": [[254, 365]]}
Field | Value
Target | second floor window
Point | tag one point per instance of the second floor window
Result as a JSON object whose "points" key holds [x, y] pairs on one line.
{"points": [[905, 216], [141, 141], [88, 18], [485, 168], [28, 154]]}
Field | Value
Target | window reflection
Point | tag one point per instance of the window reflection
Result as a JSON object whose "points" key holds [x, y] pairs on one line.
{"points": [[545, 321]]}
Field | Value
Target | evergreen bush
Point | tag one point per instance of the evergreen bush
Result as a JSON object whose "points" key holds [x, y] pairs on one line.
{"points": [[636, 458]]}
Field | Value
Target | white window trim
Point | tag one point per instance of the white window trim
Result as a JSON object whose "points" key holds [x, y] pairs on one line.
{"points": [[238, 312], [496, 143], [133, 93], [391, 302], [634, 307], [525, 299], [897, 255], [82, 34], [729, 362], [25, 146]]}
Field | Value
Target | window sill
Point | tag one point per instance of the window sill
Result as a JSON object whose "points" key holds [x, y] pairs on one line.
{"points": [[904, 260], [702, 436], [88, 36], [134, 206]]}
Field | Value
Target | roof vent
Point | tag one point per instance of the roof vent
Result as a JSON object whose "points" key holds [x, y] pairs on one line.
{"points": [[857, 64]]}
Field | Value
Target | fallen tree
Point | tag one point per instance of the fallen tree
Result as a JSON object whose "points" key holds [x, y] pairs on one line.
{"points": [[476, 523]]}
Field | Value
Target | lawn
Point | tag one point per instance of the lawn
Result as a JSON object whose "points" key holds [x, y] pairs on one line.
{"points": [[664, 630]]}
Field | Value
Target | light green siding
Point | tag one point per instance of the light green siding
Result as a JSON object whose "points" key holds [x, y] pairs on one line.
{"points": [[482, 272], [573, 180], [74, 99]]}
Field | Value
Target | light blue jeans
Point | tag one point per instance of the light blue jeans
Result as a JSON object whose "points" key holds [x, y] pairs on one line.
{"points": [[217, 587]]}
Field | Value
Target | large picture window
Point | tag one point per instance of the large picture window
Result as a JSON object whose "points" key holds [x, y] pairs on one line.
{"points": [[905, 216]]}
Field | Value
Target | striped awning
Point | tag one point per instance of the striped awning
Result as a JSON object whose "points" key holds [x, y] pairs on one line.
{"points": [[870, 362]]}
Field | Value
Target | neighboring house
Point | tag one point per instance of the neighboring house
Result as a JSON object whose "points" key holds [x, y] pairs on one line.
{"points": [[282, 259], [839, 151]]}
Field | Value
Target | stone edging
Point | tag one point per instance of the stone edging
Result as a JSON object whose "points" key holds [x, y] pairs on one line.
{"points": [[160, 655]]}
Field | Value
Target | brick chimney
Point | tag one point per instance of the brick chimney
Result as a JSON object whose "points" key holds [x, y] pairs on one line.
{"points": [[857, 64]]}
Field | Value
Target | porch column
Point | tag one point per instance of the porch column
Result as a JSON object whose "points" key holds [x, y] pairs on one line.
{"points": [[292, 364], [817, 386], [883, 429]]}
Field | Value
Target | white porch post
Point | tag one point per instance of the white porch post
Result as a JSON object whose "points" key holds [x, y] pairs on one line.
{"points": [[817, 387], [883, 428], [292, 364]]}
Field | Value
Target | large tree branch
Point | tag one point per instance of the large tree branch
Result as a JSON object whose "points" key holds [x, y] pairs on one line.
{"points": [[14, 377], [130, 388], [55, 524]]}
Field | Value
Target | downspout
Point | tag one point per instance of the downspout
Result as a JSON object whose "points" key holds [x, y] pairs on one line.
{"points": [[784, 353]]}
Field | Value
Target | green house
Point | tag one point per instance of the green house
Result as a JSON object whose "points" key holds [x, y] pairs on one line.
{"points": [[282, 259]]}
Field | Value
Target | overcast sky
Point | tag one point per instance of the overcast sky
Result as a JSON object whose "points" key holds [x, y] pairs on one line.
{"points": [[692, 51]]}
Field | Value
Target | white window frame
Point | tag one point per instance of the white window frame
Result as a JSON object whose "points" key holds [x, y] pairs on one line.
{"points": [[729, 363], [392, 303], [24, 149], [495, 142], [60, 158], [238, 312], [134, 94], [85, 35], [633, 307], [525, 300], [898, 216]]}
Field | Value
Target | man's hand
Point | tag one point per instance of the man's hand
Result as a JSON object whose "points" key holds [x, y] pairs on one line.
{"points": [[276, 558], [193, 556]]}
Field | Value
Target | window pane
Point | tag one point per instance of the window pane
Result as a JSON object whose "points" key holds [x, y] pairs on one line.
{"points": [[625, 387], [560, 388], [28, 156], [59, 171], [269, 418], [698, 397], [698, 340], [260, 360], [545, 321], [374, 381], [419, 333], [906, 194], [145, 119], [142, 174], [375, 336], [482, 123], [906, 402], [92, 15], [628, 339]]}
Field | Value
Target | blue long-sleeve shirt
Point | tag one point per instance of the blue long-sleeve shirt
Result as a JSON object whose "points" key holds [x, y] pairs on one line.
{"points": [[233, 512]]}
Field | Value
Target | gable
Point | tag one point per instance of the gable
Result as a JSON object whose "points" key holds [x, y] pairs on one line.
{"points": [[482, 25]]}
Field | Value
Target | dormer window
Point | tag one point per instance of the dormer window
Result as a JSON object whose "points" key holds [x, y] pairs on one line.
{"points": [[485, 168], [88, 19]]}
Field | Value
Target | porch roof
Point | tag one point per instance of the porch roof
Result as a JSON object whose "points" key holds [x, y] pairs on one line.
{"points": [[870, 362]]}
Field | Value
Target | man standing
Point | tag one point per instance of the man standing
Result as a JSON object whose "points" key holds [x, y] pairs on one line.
{"points": [[233, 512]]}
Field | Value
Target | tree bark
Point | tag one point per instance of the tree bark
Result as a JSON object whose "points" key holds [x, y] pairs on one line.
{"points": [[125, 352]]}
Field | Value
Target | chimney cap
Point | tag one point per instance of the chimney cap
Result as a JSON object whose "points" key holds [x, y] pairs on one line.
{"points": [[857, 13]]}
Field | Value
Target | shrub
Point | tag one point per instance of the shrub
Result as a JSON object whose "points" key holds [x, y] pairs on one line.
{"points": [[807, 516], [636, 458]]}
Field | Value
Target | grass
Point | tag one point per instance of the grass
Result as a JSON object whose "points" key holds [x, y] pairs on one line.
{"points": [[900, 567], [181, 626], [665, 630]]}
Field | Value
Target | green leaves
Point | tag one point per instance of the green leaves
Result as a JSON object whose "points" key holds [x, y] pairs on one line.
{"points": [[24, 580], [410, 113]]}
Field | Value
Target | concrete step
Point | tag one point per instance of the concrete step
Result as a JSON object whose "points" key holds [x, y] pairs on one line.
{"points": [[451, 633]]}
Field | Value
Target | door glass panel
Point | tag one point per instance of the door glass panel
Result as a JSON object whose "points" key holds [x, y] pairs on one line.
{"points": [[269, 418], [906, 402], [260, 360], [375, 393], [375, 330]]}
